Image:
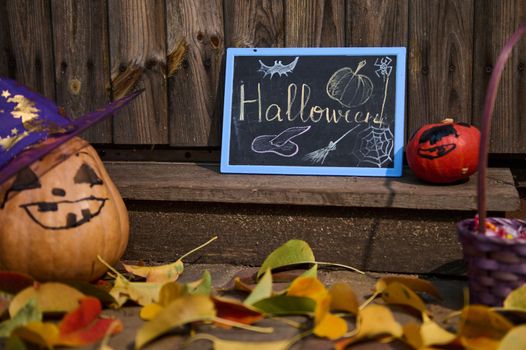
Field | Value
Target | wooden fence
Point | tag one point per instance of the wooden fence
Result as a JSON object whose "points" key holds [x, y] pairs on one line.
{"points": [[83, 53]]}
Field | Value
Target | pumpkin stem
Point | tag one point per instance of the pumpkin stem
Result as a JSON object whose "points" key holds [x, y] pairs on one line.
{"points": [[489, 104], [360, 66], [448, 121]]}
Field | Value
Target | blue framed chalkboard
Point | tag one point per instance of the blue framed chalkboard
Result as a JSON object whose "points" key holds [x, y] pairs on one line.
{"points": [[314, 111]]}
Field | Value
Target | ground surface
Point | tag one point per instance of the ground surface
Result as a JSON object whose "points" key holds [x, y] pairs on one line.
{"points": [[450, 289]]}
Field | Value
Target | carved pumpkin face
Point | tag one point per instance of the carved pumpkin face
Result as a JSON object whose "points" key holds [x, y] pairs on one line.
{"points": [[445, 152], [54, 226]]}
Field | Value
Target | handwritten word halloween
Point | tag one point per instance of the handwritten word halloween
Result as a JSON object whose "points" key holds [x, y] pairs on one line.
{"points": [[297, 106]]}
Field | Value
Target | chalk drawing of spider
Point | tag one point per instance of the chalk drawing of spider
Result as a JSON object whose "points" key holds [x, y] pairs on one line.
{"points": [[384, 68]]}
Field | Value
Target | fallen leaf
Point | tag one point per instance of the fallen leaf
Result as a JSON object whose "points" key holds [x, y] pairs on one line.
{"points": [[162, 273], [286, 305], [516, 300], [377, 320], [233, 310], [50, 297], [143, 293], [515, 339], [181, 311], [308, 287], [29, 312], [343, 298], [150, 311], [171, 291], [262, 290], [415, 284], [326, 324], [427, 334], [399, 294], [4, 303], [292, 252], [481, 327], [13, 282], [223, 344], [93, 290], [242, 285], [202, 286], [80, 327], [312, 272], [15, 343]]}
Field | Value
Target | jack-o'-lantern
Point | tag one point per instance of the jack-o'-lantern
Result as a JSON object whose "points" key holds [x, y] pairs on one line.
{"points": [[445, 152], [53, 227]]}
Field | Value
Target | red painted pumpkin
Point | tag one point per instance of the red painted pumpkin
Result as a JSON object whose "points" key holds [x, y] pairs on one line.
{"points": [[54, 225], [446, 152]]}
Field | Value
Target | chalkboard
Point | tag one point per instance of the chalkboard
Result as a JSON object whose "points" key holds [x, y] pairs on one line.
{"points": [[314, 111]]}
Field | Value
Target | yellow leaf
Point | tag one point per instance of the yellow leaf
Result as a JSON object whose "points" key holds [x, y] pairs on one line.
{"points": [[181, 311], [377, 320], [415, 284], [482, 328], [43, 334], [143, 293], [343, 298], [399, 294], [331, 326], [222, 344], [171, 291], [50, 297], [427, 334], [148, 312], [162, 273], [516, 300], [412, 335], [514, 339], [309, 287]]}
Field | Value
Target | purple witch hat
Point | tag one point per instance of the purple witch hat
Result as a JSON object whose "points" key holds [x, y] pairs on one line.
{"points": [[31, 126]]}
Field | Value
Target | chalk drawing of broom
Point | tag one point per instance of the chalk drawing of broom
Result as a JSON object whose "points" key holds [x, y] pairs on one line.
{"points": [[318, 156]]}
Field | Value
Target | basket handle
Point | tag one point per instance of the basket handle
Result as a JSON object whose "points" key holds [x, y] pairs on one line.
{"points": [[489, 104]]}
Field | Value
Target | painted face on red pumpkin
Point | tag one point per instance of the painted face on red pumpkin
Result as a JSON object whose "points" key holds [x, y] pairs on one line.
{"points": [[76, 210], [428, 142]]}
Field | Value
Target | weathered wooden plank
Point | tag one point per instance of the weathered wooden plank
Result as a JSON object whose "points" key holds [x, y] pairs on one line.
{"points": [[495, 21], [204, 183], [138, 59], [195, 51], [439, 61], [80, 32], [314, 23], [30, 44], [377, 23], [6, 45], [374, 239], [254, 23]]}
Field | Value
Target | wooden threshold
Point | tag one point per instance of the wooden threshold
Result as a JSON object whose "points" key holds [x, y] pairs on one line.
{"points": [[196, 182]]}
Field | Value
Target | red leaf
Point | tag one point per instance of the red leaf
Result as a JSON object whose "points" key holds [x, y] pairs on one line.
{"points": [[82, 326], [233, 310]]}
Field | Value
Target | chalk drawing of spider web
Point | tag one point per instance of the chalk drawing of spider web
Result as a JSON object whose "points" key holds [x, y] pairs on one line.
{"points": [[375, 146]]}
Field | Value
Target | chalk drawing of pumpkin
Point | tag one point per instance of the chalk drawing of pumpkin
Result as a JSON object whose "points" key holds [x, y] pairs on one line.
{"points": [[350, 88]]}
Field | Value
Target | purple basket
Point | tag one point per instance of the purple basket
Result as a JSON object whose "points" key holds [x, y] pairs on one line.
{"points": [[496, 266]]}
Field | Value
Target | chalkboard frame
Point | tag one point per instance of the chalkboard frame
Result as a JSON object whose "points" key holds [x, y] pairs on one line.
{"points": [[395, 171]]}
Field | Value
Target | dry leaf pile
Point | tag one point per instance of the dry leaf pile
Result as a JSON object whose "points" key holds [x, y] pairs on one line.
{"points": [[68, 314]]}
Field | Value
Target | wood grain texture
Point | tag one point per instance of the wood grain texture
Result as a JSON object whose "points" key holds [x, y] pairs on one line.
{"points": [[440, 61], [254, 23], [377, 23], [138, 59], [495, 21], [29, 45], [204, 183], [80, 32], [194, 89], [314, 23]]}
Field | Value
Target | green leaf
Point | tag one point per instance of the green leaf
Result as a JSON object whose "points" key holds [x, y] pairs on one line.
{"points": [[312, 272], [262, 290], [178, 313], [29, 312], [292, 252], [286, 305], [202, 286]]}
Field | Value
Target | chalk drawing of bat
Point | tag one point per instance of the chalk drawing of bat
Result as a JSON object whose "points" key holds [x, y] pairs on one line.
{"points": [[277, 68]]}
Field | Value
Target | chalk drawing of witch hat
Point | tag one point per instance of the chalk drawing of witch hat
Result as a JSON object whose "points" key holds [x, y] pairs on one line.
{"points": [[31, 126]]}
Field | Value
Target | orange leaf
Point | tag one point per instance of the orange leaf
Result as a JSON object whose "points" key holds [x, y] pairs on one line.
{"points": [[415, 284], [233, 310], [309, 287], [82, 326], [343, 298], [482, 328]]}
